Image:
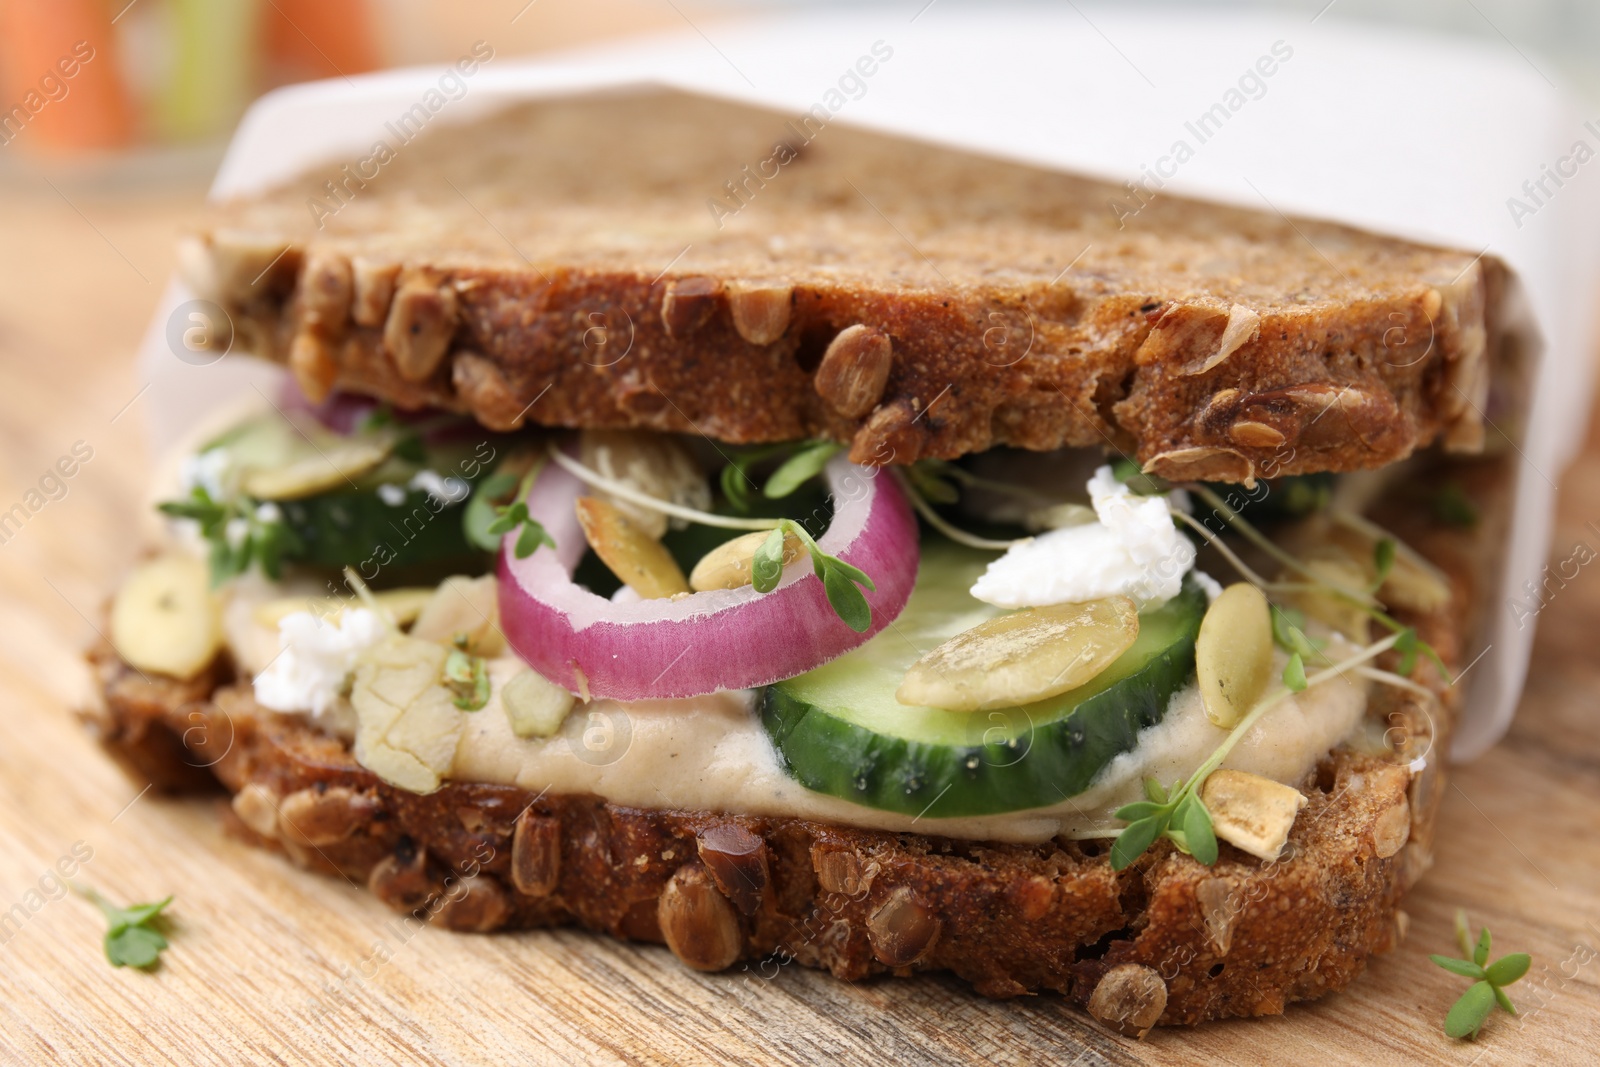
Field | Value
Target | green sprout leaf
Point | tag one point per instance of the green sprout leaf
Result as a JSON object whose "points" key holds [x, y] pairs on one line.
{"points": [[131, 937], [1198, 833], [1153, 790], [1467, 1015], [840, 581], [766, 566], [1505, 1001], [847, 600], [1452, 507], [1507, 969], [1465, 968], [134, 946], [800, 468], [735, 477], [1135, 838], [1407, 646], [1139, 809], [533, 533], [1294, 673], [240, 531], [508, 484], [532, 536], [735, 488], [1383, 554], [1288, 631]]}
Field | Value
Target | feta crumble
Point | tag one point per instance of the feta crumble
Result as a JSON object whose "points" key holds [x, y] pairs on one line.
{"points": [[317, 655], [442, 489], [1133, 550]]}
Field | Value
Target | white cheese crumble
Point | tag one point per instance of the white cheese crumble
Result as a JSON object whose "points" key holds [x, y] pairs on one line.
{"points": [[1133, 550], [315, 658], [444, 490], [393, 495]]}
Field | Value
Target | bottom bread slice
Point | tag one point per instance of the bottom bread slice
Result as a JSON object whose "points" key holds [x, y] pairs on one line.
{"points": [[1167, 941]]}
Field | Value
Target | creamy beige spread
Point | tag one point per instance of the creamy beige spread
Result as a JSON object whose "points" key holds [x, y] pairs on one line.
{"points": [[711, 753]]}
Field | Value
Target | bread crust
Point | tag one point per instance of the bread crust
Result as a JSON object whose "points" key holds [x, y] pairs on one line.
{"points": [[590, 287]]}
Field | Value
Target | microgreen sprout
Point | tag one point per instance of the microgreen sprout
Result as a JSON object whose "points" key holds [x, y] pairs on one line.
{"points": [[467, 676], [800, 468], [240, 532], [132, 938], [1180, 816], [841, 581], [515, 516], [1469, 1013]]}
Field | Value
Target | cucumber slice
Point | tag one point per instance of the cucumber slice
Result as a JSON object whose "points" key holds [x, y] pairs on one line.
{"points": [[350, 499], [357, 527], [839, 729]]}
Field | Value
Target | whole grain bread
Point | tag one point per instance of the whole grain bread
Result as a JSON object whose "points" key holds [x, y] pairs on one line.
{"points": [[1238, 938], [658, 260]]}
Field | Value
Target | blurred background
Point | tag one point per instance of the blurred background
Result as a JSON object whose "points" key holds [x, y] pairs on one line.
{"points": [[154, 83]]}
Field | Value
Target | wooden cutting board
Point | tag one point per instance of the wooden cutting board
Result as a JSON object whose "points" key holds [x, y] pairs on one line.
{"points": [[270, 964]]}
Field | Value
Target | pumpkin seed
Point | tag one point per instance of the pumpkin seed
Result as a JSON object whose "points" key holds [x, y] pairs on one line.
{"points": [[165, 617], [633, 555], [1022, 657], [728, 565], [1251, 813], [403, 605], [1233, 654]]}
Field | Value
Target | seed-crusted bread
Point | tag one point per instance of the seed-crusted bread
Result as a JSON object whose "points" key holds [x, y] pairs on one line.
{"points": [[1167, 941], [665, 261], [1192, 943]]}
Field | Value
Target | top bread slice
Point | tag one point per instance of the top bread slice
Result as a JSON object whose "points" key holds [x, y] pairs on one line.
{"points": [[653, 259]]}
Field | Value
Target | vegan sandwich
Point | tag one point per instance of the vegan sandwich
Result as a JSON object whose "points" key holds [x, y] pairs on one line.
{"points": [[921, 568]]}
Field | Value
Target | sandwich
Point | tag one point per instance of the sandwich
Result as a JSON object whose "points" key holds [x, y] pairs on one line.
{"points": [[893, 561]]}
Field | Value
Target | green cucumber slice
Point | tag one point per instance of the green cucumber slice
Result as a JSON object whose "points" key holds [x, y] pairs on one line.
{"points": [[357, 528], [350, 500], [840, 731]]}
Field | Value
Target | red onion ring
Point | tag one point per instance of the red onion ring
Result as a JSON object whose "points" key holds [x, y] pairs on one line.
{"points": [[719, 639]]}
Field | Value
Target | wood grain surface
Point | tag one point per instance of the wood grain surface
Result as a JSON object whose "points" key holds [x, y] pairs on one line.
{"points": [[270, 964]]}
